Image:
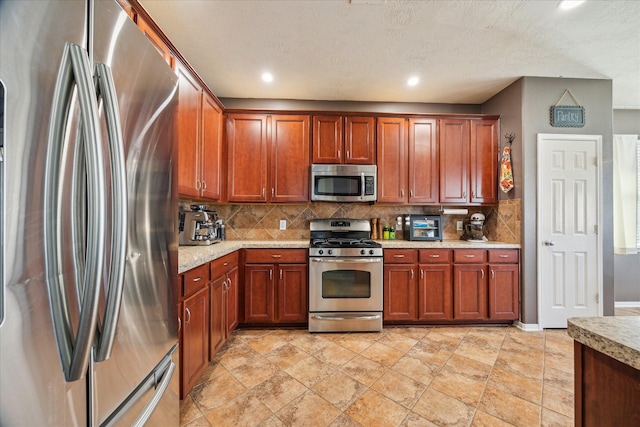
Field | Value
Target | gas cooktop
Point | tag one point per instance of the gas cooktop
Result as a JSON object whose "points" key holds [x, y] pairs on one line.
{"points": [[342, 237]]}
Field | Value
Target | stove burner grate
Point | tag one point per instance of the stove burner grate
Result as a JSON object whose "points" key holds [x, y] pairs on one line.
{"points": [[332, 242]]}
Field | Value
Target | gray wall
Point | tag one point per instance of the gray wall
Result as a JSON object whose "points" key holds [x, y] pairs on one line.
{"points": [[627, 267], [524, 109], [355, 106]]}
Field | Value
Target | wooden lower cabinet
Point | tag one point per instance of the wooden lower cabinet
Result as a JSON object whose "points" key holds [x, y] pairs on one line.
{"points": [[195, 339], [434, 292], [218, 332], [469, 292], [224, 300], [451, 285], [276, 292], [399, 292]]}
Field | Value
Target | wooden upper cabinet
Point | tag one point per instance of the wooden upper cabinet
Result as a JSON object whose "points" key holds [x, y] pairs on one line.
{"points": [[211, 148], [392, 160], [423, 161], [483, 161], [155, 39], [247, 157], [454, 160], [289, 158], [328, 139], [268, 158], [188, 133], [338, 139], [469, 161], [360, 140]]}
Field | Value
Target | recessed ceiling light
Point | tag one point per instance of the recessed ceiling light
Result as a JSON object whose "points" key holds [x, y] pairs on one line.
{"points": [[267, 77], [570, 4], [413, 81]]}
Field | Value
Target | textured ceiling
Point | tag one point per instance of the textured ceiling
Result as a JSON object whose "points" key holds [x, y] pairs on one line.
{"points": [[462, 51]]}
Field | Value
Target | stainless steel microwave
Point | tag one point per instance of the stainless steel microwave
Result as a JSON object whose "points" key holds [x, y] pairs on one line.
{"points": [[344, 183]]}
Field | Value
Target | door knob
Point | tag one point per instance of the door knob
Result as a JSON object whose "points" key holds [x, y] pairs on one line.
{"points": [[549, 243]]}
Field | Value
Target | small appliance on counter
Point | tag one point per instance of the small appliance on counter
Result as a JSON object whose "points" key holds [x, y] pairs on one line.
{"points": [[422, 227], [474, 230], [199, 227]]}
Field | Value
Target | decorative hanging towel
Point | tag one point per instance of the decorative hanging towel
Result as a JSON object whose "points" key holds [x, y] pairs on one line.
{"points": [[506, 174]]}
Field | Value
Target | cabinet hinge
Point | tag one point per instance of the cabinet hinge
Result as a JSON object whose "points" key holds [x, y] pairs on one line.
{"points": [[595, 229], [595, 161], [597, 298]]}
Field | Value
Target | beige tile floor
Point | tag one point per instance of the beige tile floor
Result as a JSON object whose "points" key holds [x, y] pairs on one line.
{"points": [[449, 376]]}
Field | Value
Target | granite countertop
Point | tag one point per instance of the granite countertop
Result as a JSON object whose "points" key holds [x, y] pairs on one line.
{"points": [[615, 336], [193, 256]]}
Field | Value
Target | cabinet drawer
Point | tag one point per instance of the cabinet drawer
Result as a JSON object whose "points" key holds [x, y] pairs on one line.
{"points": [[469, 256], [399, 256], [224, 264], [434, 256], [275, 256], [509, 256], [195, 279]]}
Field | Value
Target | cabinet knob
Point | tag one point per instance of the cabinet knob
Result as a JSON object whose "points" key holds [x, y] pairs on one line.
{"points": [[204, 185], [273, 192], [348, 155], [264, 192], [188, 315], [338, 153], [482, 273], [435, 256], [276, 256]]}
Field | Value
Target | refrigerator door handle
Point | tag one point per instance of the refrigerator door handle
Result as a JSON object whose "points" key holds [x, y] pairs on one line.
{"points": [[151, 405], [75, 348], [106, 89]]}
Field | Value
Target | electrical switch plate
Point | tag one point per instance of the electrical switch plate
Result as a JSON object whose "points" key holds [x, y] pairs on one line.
{"points": [[459, 226], [283, 224]]}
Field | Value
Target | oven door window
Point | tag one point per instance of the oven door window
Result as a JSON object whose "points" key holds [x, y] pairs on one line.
{"points": [[337, 185], [346, 284]]}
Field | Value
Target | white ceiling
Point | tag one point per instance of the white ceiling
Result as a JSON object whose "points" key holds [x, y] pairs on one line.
{"points": [[463, 51]]}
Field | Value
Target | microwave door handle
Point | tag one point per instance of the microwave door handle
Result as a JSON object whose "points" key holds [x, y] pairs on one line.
{"points": [[362, 185]]}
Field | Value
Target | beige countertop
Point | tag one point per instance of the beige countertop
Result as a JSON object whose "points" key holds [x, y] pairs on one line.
{"points": [[616, 336], [193, 256]]}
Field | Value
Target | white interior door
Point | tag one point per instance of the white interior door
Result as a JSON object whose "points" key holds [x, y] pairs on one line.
{"points": [[569, 248]]}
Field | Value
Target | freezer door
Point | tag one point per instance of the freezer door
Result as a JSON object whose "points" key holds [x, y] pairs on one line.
{"points": [[33, 389], [153, 402], [146, 90]]}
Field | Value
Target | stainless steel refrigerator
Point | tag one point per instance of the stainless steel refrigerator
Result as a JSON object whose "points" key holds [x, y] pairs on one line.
{"points": [[88, 319]]}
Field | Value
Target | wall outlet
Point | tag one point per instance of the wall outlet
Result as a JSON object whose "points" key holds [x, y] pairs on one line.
{"points": [[283, 224], [459, 225]]}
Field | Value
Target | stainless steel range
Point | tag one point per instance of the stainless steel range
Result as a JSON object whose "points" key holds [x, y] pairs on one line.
{"points": [[345, 277]]}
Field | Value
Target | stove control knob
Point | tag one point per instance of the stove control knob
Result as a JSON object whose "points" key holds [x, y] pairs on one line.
{"points": [[320, 252], [363, 252], [370, 251], [330, 252]]}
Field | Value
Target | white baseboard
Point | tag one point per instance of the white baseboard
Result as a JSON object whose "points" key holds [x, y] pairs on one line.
{"points": [[527, 327], [627, 304]]}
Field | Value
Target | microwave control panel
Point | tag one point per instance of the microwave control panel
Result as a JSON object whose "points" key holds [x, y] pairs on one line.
{"points": [[369, 186]]}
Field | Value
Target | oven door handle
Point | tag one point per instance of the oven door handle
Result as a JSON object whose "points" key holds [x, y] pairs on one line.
{"points": [[354, 317], [350, 261]]}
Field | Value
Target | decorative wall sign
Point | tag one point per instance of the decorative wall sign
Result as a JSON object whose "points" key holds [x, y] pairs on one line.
{"points": [[567, 115]]}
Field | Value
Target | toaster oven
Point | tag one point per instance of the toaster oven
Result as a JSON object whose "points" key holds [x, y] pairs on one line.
{"points": [[422, 227]]}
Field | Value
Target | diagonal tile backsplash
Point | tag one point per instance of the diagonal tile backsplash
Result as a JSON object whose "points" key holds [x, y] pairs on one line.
{"points": [[262, 221]]}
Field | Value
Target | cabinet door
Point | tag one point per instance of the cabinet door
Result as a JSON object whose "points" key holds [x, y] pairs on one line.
{"points": [[360, 140], [232, 301], [289, 159], [188, 133], [259, 293], [292, 293], [423, 161], [211, 148], [434, 292], [399, 292], [195, 338], [218, 327], [327, 139], [504, 291], [483, 161], [392, 160], [247, 163], [454, 160], [469, 291]]}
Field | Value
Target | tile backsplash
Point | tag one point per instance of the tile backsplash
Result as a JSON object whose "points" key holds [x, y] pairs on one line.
{"points": [[262, 221]]}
